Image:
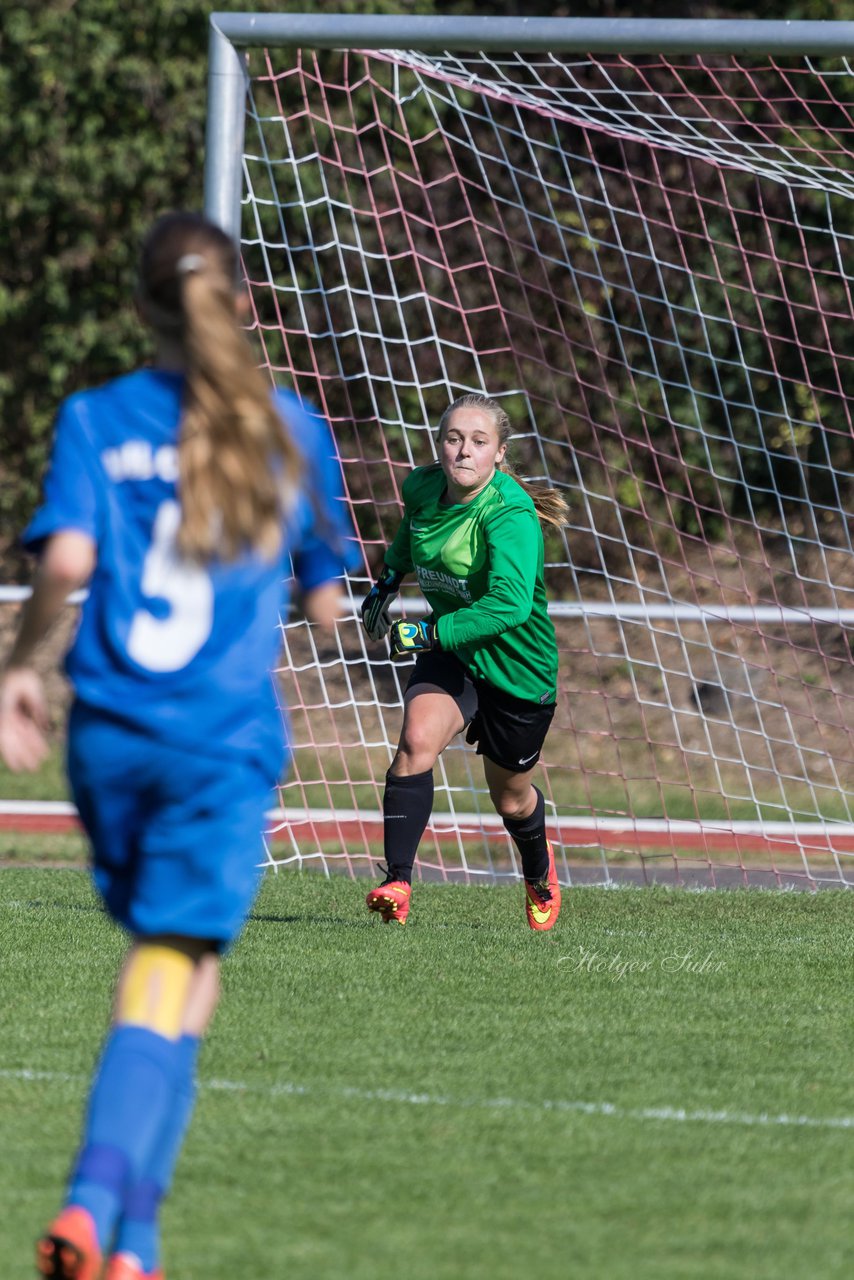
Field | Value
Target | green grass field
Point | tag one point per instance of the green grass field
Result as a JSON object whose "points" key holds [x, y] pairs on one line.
{"points": [[463, 1098]]}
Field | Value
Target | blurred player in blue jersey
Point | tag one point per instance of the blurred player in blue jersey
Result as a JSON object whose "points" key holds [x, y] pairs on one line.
{"points": [[185, 495]]}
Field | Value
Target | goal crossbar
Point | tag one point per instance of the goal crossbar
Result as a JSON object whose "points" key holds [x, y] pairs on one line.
{"points": [[230, 32], [528, 35]]}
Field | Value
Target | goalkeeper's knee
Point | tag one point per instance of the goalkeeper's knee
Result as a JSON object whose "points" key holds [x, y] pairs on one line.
{"points": [[155, 987]]}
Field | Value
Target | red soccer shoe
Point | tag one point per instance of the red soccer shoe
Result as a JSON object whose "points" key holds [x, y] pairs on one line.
{"points": [[69, 1249], [391, 900]]}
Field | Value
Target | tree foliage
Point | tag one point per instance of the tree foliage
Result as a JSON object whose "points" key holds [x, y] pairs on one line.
{"points": [[102, 129]]}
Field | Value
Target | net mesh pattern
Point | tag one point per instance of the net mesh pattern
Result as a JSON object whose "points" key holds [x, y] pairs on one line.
{"points": [[648, 262]]}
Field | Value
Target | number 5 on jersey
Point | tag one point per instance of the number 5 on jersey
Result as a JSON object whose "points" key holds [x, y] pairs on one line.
{"points": [[170, 643]]}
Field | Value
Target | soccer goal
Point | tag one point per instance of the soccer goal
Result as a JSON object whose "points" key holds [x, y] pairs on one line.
{"points": [[637, 234]]}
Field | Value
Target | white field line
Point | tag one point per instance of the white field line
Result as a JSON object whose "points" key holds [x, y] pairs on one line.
{"points": [[672, 1115]]}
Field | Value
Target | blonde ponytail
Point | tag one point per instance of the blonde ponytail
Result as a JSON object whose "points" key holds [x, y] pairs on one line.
{"points": [[239, 469], [551, 507]]}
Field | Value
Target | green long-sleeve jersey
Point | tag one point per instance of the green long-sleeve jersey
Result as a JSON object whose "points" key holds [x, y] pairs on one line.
{"points": [[480, 567]]}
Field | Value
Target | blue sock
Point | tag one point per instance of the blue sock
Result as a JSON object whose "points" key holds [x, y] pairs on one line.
{"points": [[131, 1096], [139, 1232]]}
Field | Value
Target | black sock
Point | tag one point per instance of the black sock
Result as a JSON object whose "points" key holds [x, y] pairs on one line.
{"points": [[407, 805], [529, 836]]}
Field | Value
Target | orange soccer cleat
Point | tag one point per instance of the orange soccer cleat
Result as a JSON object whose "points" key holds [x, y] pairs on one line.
{"points": [[391, 900], [542, 899], [125, 1266], [69, 1248]]}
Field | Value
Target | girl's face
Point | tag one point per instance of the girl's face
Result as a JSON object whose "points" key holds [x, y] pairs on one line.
{"points": [[469, 451]]}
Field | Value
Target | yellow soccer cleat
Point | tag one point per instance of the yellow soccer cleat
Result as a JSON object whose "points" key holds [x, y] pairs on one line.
{"points": [[542, 899]]}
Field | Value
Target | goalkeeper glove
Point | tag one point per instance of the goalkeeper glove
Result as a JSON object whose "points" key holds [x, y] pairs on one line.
{"points": [[375, 617], [408, 639]]}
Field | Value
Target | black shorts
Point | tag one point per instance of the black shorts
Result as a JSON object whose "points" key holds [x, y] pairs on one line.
{"points": [[509, 731]]}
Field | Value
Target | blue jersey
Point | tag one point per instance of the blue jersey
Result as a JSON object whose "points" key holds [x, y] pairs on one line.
{"points": [[182, 652]]}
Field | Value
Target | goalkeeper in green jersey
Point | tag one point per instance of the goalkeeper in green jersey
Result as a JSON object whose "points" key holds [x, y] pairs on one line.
{"points": [[486, 656]]}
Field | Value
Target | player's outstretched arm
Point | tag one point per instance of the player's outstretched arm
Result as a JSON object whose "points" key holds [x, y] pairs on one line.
{"points": [[66, 565]]}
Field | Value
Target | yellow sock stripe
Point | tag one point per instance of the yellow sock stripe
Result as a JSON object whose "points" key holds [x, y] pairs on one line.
{"points": [[154, 989]]}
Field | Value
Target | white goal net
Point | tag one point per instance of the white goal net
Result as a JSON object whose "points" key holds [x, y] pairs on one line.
{"points": [[649, 261]]}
